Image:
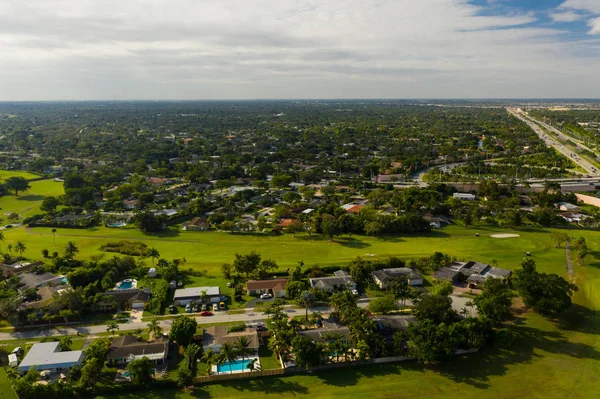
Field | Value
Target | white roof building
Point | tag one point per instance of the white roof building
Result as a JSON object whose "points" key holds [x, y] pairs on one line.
{"points": [[47, 356]]}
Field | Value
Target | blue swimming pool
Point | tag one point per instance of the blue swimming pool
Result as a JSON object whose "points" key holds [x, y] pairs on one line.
{"points": [[238, 365], [125, 285]]}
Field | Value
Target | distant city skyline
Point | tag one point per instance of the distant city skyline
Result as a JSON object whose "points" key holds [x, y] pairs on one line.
{"points": [[299, 49]]}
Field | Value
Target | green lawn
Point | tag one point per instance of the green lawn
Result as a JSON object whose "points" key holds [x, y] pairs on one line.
{"points": [[28, 203], [6, 391], [5, 174], [208, 250]]}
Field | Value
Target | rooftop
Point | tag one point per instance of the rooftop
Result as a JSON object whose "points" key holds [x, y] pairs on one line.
{"points": [[275, 284], [48, 355], [193, 292], [127, 346]]}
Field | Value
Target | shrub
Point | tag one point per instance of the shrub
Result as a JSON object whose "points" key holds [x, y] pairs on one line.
{"points": [[132, 248]]}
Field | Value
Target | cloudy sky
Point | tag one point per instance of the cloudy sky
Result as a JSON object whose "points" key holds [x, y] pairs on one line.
{"points": [[247, 49]]}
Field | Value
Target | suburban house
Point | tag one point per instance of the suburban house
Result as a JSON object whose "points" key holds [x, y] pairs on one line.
{"points": [[284, 223], [17, 268], [382, 277], [275, 287], [214, 337], [473, 273], [464, 196], [125, 299], [196, 224], [126, 348], [353, 208], [184, 296], [565, 206], [46, 294], [341, 280], [35, 281], [47, 356], [328, 327]]}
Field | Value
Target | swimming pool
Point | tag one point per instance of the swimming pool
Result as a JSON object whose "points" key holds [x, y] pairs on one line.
{"points": [[126, 284], [238, 365]]}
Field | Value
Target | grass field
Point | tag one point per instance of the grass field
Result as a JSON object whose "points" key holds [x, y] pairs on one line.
{"points": [[5, 174], [208, 250], [28, 203]]}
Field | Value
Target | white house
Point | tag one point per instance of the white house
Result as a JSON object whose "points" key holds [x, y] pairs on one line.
{"points": [[565, 206], [465, 196], [184, 296], [47, 356]]}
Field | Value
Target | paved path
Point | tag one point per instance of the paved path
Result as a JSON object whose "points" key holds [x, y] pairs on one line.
{"points": [[569, 263]]}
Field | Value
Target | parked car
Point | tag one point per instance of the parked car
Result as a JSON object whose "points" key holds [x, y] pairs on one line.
{"points": [[172, 309], [204, 307], [222, 305], [355, 292], [206, 313], [188, 308], [215, 307], [266, 296]]}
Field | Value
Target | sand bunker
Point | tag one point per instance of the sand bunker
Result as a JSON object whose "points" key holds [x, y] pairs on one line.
{"points": [[504, 235]]}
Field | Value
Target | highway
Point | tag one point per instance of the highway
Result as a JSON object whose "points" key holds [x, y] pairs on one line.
{"points": [[538, 127]]}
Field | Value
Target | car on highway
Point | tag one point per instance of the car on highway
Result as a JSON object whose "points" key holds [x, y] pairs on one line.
{"points": [[206, 313]]}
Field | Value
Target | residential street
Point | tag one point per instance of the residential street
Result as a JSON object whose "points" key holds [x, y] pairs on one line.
{"points": [[250, 315]]}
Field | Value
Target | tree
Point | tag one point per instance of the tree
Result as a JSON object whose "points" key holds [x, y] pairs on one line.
{"points": [[184, 375], [153, 254], [307, 353], [242, 346], [148, 222], [210, 358], [226, 270], [295, 227], [559, 237], [71, 249], [193, 352], [111, 327], [229, 354], [227, 225], [330, 226], [384, 304], [582, 250], [65, 314], [20, 248], [399, 289], [294, 288], [65, 343], [2, 238], [154, 327], [183, 329], [494, 303], [443, 288], [437, 308], [17, 184], [373, 228], [305, 299], [54, 235], [49, 204], [547, 294], [431, 343], [141, 370]]}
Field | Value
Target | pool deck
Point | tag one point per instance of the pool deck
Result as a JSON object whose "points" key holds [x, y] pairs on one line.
{"points": [[257, 366]]}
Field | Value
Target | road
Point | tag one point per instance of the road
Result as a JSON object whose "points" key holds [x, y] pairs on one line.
{"points": [[249, 316], [538, 127]]}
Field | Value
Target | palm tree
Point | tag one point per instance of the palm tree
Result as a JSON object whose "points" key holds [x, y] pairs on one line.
{"points": [[306, 299], [1, 239], [192, 353], [65, 343], [242, 346], [20, 248], [210, 358], [141, 370], [112, 326], [154, 327], [162, 263], [229, 354], [54, 236], [71, 249], [10, 247], [495, 262], [251, 364], [153, 253]]}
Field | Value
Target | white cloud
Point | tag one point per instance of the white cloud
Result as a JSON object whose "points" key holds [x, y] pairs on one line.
{"points": [[566, 16], [592, 6], [93, 49], [594, 25]]}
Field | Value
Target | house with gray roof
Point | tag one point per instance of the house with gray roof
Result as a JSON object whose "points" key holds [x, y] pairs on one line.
{"points": [[47, 356], [184, 296], [384, 276], [342, 280], [35, 281]]}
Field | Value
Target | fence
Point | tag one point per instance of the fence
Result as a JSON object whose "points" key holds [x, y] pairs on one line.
{"points": [[298, 370]]}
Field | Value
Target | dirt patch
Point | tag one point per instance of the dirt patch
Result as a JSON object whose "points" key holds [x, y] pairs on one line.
{"points": [[504, 235]]}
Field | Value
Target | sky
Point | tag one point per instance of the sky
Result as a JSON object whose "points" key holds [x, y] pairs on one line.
{"points": [[288, 49]]}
